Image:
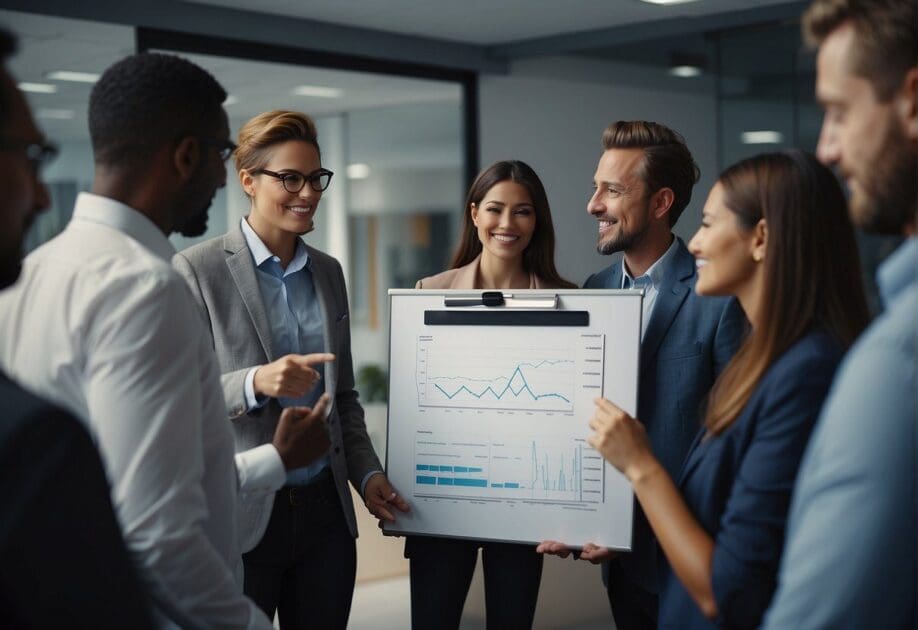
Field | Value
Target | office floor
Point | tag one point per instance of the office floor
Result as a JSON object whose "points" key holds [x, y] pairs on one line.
{"points": [[384, 605]]}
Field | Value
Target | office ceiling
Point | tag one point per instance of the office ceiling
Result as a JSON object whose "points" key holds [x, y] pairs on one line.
{"points": [[487, 22]]}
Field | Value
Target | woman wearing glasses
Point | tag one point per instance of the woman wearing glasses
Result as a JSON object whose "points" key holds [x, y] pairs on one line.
{"points": [[278, 312]]}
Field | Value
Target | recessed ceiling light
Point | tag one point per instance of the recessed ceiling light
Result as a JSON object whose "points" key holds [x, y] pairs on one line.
{"points": [[317, 91], [664, 2], [762, 137], [685, 72], [38, 88], [76, 77], [358, 171], [230, 100], [55, 114]]}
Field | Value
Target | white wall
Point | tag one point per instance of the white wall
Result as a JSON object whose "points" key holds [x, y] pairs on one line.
{"points": [[551, 115]]}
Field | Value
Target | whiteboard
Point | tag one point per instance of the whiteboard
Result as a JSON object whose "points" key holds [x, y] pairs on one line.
{"points": [[488, 419]]}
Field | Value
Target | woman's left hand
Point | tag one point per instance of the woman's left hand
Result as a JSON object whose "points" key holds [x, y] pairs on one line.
{"points": [[620, 439]]}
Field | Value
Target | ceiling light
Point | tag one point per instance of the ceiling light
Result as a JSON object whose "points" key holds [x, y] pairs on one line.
{"points": [[38, 88], [55, 114], [230, 100], [358, 171], [685, 72], [665, 2], [762, 137], [317, 91], [76, 77]]}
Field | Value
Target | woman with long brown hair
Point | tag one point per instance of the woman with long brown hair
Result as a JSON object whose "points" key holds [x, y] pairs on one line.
{"points": [[507, 242], [775, 233]]}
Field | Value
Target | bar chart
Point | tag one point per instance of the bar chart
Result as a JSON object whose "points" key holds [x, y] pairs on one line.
{"points": [[555, 469]]}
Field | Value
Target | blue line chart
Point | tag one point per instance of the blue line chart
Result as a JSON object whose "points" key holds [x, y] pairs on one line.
{"points": [[508, 388]]}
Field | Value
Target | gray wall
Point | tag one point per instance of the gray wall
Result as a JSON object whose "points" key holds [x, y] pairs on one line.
{"points": [[555, 125]]}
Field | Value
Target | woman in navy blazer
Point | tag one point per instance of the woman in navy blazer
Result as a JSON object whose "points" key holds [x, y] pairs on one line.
{"points": [[775, 233]]}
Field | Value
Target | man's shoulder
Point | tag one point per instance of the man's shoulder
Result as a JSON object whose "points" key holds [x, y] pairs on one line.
{"points": [[24, 413]]}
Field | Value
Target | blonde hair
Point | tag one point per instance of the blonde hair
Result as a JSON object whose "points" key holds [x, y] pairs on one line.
{"points": [[265, 130]]}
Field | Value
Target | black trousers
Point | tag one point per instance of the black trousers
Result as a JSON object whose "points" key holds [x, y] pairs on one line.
{"points": [[305, 565], [441, 572], [633, 607]]}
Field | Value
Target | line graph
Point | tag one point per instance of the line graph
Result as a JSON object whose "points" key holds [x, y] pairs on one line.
{"points": [[494, 377]]}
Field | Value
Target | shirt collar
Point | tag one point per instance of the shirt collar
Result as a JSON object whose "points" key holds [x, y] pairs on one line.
{"points": [[655, 272], [116, 215], [898, 271], [261, 253]]}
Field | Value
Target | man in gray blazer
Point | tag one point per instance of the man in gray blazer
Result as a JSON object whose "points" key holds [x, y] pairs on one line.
{"points": [[643, 182]]}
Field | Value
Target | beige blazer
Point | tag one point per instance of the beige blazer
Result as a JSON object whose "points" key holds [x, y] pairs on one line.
{"points": [[221, 275], [465, 278]]}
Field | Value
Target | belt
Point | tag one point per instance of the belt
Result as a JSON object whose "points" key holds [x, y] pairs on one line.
{"points": [[321, 490]]}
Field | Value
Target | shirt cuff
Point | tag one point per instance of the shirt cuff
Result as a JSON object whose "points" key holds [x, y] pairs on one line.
{"points": [[252, 400], [366, 478], [260, 470]]}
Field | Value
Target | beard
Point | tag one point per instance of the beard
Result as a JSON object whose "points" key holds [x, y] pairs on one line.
{"points": [[10, 267], [623, 241], [887, 203], [196, 224]]}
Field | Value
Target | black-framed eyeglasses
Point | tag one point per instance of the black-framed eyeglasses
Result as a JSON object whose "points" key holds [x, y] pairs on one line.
{"points": [[294, 181], [224, 147], [38, 154]]}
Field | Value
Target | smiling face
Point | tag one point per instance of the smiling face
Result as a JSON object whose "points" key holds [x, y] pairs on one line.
{"points": [[724, 252], [620, 202], [863, 137], [505, 220], [274, 209]]}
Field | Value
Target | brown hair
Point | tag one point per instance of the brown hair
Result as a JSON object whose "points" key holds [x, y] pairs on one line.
{"points": [[667, 161], [886, 33], [265, 130], [539, 255], [812, 270]]}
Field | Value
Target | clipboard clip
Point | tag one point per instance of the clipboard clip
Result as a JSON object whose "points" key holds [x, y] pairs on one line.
{"points": [[493, 299]]}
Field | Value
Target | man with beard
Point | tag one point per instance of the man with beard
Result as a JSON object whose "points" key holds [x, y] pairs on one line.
{"points": [[102, 325], [56, 508], [850, 558], [642, 184]]}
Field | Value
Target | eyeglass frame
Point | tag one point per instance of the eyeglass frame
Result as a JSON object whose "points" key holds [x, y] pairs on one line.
{"points": [[311, 178], [225, 148], [38, 154]]}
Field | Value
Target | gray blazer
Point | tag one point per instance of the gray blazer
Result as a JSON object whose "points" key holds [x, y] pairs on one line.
{"points": [[221, 275]]}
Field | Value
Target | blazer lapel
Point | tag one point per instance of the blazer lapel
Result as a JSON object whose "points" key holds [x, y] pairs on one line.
{"points": [[324, 294], [242, 269], [672, 292]]}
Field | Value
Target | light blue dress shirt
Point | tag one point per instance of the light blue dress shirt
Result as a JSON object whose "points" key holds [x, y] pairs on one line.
{"points": [[292, 306], [650, 282], [850, 558]]}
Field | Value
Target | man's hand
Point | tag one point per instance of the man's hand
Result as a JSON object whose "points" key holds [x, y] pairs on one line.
{"points": [[381, 498], [301, 436], [592, 553], [291, 376]]}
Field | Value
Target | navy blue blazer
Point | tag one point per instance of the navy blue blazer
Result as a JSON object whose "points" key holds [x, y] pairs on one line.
{"points": [[738, 485], [688, 342], [63, 561]]}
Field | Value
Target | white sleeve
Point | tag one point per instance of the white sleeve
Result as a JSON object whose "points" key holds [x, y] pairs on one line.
{"points": [[144, 400]]}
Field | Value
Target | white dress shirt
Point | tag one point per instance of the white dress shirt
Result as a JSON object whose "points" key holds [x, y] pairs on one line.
{"points": [[649, 282], [100, 324]]}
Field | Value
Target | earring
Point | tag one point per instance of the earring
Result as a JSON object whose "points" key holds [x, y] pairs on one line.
{"points": [[757, 257]]}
